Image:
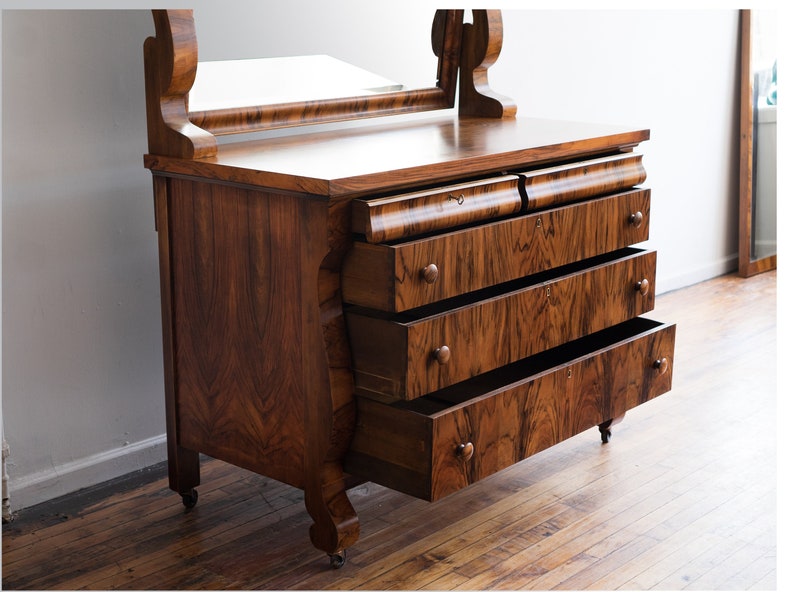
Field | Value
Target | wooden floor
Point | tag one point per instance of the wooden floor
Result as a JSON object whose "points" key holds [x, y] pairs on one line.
{"points": [[683, 497]]}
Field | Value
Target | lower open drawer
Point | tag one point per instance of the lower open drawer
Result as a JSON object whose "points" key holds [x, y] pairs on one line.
{"points": [[434, 445]]}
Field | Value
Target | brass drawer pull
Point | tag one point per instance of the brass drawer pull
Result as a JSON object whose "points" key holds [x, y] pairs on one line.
{"points": [[465, 451], [636, 219], [442, 354], [430, 273], [458, 198], [643, 287], [661, 365]]}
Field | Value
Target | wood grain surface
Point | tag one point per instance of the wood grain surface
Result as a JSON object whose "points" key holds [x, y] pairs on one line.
{"points": [[389, 277], [508, 417], [392, 218], [580, 180], [239, 365], [389, 156], [393, 356]]}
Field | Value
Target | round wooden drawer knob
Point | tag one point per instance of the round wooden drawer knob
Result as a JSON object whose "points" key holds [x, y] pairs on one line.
{"points": [[661, 365], [442, 354], [465, 451], [430, 273], [643, 287], [636, 219]]}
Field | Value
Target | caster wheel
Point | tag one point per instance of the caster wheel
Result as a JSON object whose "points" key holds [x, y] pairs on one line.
{"points": [[606, 429], [189, 499], [338, 559]]}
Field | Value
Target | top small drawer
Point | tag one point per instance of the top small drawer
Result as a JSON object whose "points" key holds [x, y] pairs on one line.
{"points": [[411, 214], [581, 180]]}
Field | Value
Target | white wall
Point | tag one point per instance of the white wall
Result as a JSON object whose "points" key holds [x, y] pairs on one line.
{"points": [[669, 70], [82, 366]]}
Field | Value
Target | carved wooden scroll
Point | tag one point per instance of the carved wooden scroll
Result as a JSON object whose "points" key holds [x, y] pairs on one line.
{"points": [[482, 44], [170, 60]]}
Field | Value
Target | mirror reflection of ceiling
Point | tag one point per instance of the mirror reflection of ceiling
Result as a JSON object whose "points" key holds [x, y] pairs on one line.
{"points": [[384, 39]]}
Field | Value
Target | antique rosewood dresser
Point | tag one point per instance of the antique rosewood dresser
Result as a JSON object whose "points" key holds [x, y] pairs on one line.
{"points": [[418, 302]]}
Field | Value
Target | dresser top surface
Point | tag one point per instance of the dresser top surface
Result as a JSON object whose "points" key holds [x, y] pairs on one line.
{"points": [[400, 155]]}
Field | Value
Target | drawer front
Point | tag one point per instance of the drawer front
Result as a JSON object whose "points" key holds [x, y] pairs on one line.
{"points": [[580, 180], [399, 277], [392, 218], [401, 357], [429, 451]]}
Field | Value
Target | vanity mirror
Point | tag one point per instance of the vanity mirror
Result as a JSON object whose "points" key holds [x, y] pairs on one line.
{"points": [[758, 140], [217, 105]]}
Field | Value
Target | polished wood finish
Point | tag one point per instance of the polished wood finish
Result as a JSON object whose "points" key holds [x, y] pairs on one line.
{"points": [[170, 60], [391, 277], [266, 360], [684, 497], [553, 399], [176, 45], [748, 265], [392, 218], [580, 180], [248, 290], [482, 44], [255, 371], [393, 357], [183, 464], [394, 157]]}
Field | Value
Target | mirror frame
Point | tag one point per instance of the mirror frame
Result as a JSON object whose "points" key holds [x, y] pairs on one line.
{"points": [[171, 59], [747, 265], [445, 41]]}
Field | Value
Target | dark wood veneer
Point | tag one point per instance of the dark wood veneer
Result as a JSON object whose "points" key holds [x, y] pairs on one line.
{"points": [[447, 347]]}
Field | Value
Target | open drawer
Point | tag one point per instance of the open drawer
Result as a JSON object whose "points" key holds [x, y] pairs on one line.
{"points": [[407, 355], [435, 445]]}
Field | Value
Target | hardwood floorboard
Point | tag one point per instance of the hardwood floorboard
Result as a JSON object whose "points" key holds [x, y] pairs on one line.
{"points": [[683, 498]]}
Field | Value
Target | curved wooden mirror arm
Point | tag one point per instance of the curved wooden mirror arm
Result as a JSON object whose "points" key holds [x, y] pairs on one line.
{"points": [[482, 44], [171, 62]]}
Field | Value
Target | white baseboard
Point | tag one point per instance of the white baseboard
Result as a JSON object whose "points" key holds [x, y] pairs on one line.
{"points": [[67, 478]]}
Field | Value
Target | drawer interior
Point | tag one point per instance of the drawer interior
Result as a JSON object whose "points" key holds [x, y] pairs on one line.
{"points": [[489, 383], [506, 415]]}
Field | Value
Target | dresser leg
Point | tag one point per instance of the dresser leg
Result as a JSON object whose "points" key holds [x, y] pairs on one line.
{"points": [[605, 428], [184, 473], [336, 526]]}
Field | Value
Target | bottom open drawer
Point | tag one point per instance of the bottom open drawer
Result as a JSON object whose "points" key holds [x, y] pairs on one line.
{"points": [[432, 446]]}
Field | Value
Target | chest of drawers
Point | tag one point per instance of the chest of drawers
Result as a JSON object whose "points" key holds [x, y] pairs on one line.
{"points": [[419, 303], [486, 335]]}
